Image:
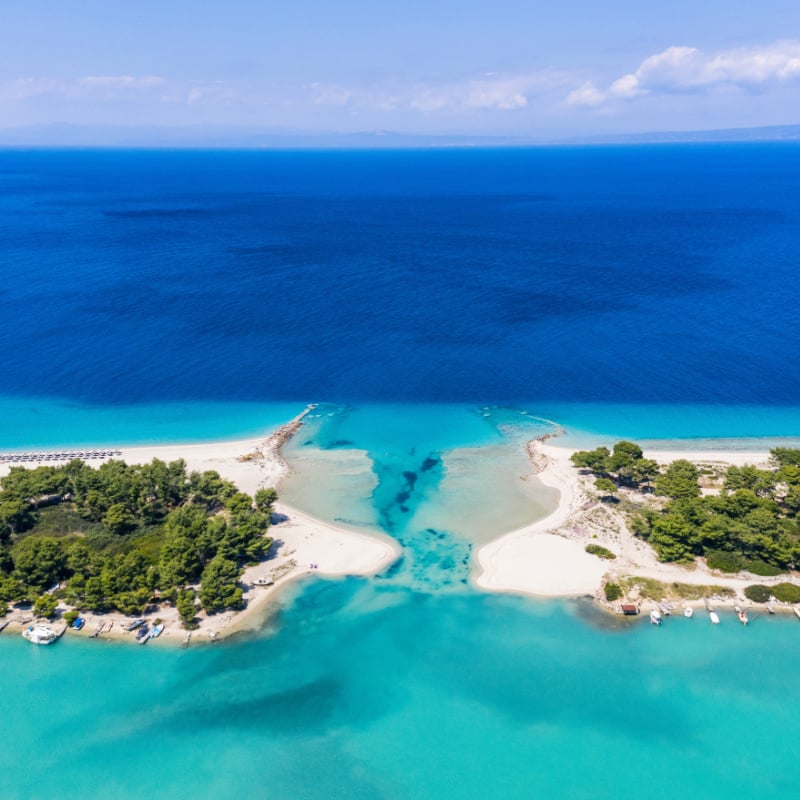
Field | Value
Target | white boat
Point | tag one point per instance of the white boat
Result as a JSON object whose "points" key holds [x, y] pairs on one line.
{"points": [[263, 582], [796, 611], [157, 630], [40, 634], [688, 612], [655, 617], [714, 617]]}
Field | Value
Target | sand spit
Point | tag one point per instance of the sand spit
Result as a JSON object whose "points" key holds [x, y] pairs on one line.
{"points": [[303, 544], [548, 557]]}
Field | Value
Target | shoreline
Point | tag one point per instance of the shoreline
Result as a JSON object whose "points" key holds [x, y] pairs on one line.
{"points": [[544, 559], [548, 559], [300, 540]]}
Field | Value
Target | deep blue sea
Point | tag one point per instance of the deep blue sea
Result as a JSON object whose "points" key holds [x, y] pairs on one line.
{"points": [[442, 307], [663, 274]]}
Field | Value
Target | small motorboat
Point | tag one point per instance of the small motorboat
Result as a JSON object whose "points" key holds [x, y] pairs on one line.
{"points": [[156, 630], [143, 634], [714, 617], [655, 617], [40, 634], [688, 612], [132, 626], [78, 624], [263, 582], [796, 611]]}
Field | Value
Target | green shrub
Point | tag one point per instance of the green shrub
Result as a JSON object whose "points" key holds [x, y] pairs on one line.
{"points": [[758, 567], [696, 591], [45, 606], [70, 616], [758, 593], [786, 593], [725, 561], [600, 551], [648, 588], [605, 486], [613, 591]]}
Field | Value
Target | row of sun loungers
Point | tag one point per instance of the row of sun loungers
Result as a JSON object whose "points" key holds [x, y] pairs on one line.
{"points": [[65, 455]]}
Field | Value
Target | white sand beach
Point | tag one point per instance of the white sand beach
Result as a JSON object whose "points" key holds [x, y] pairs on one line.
{"points": [[303, 543], [548, 557], [533, 559]]}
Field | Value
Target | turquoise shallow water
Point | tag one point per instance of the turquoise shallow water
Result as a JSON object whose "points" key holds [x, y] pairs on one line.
{"points": [[45, 423], [410, 684], [49, 422], [366, 690]]}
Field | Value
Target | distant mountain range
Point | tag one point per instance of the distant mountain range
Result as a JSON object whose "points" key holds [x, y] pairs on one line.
{"points": [[66, 135]]}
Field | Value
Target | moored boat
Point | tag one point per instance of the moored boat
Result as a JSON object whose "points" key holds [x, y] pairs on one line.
{"points": [[688, 612], [655, 617], [796, 611], [143, 634], [40, 634], [132, 626], [157, 630], [263, 582], [78, 624], [714, 617]]}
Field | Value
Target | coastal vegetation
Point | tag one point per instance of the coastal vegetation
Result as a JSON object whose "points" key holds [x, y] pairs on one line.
{"points": [[122, 536], [750, 522], [613, 591], [600, 551], [784, 592], [651, 589]]}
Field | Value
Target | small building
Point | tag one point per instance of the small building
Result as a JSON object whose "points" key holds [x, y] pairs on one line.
{"points": [[629, 610]]}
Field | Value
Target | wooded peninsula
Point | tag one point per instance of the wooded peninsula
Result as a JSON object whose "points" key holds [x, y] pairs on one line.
{"points": [[748, 521], [120, 537]]}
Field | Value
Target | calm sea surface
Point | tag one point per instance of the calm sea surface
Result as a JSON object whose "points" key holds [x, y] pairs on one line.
{"points": [[442, 307]]}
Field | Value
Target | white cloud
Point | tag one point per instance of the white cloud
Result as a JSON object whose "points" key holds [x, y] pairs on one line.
{"points": [[120, 81], [687, 70], [24, 88], [329, 94], [488, 92], [586, 95]]}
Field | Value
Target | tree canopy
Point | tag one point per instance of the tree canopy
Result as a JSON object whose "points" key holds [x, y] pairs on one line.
{"points": [[625, 465], [118, 536], [752, 523]]}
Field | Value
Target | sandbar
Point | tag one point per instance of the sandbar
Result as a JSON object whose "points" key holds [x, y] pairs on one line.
{"points": [[548, 557], [303, 544]]}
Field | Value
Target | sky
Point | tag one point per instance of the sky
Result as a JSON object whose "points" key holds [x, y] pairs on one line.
{"points": [[500, 67]]}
